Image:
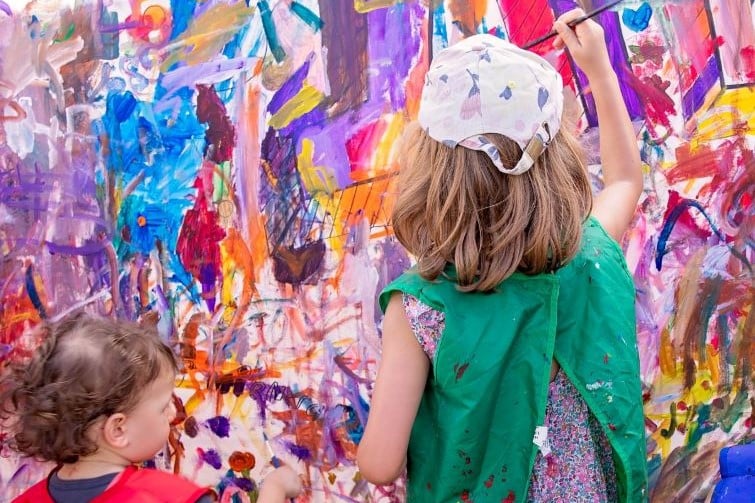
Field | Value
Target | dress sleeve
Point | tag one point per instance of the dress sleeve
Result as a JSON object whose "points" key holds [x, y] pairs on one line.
{"points": [[427, 323]]}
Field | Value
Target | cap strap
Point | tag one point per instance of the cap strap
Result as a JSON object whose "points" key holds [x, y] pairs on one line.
{"points": [[535, 147]]}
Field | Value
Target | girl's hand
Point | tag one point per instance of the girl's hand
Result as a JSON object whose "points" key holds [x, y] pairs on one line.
{"points": [[280, 484], [586, 43]]}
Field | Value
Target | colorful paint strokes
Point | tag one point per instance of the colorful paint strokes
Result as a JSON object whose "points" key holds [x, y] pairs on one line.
{"points": [[225, 168]]}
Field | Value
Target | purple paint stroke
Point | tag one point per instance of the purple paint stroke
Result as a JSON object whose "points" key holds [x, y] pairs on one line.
{"points": [[6, 8], [338, 359], [695, 97], [86, 249], [330, 147], [394, 43], [345, 34], [611, 24], [243, 483], [301, 452], [289, 89], [315, 117], [112, 28], [264, 393], [211, 457], [208, 276], [205, 73], [220, 426]]}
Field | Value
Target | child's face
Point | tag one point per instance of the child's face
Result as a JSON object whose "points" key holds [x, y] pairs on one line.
{"points": [[148, 424]]}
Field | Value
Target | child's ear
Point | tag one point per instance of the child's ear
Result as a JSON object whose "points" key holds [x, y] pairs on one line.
{"points": [[114, 430]]}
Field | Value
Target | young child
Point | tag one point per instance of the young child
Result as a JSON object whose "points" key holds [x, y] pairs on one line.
{"points": [[97, 399], [509, 369]]}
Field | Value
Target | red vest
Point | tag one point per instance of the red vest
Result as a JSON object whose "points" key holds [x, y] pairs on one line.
{"points": [[131, 486]]}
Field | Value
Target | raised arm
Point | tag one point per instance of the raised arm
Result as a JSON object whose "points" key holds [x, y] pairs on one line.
{"points": [[615, 205]]}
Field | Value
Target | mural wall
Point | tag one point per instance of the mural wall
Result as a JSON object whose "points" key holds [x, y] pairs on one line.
{"points": [[225, 169]]}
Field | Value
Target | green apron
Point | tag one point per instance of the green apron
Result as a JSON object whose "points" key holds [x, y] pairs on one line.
{"points": [[487, 390]]}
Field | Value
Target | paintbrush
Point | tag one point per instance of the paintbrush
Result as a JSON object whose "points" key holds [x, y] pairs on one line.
{"points": [[573, 23], [273, 458]]}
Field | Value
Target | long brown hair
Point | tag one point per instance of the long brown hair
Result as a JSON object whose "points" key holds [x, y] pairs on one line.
{"points": [[455, 207]]}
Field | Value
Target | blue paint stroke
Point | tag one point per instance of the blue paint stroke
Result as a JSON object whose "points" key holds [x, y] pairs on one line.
{"points": [[439, 26], [306, 15], [182, 12], [269, 26], [110, 41], [637, 20], [668, 227], [31, 290]]}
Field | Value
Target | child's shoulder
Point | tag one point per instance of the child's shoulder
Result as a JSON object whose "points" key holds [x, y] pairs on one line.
{"points": [[35, 494], [154, 486], [598, 251]]}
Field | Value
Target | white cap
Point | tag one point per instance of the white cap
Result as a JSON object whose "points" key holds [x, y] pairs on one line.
{"points": [[484, 84]]}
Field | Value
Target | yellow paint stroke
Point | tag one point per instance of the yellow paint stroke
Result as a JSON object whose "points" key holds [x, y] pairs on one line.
{"points": [[385, 156], [712, 363], [316, 179], [733, 113], [364, 6], [305, 100], [207, 34], [666, 355], [371, 200], [236, 260], [703, 390]]}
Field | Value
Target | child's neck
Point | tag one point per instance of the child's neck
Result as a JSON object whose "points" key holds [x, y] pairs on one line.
{"points": [[92, 466]]}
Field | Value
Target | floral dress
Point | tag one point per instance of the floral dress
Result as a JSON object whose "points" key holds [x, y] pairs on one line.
{"points": [[579, 467]]}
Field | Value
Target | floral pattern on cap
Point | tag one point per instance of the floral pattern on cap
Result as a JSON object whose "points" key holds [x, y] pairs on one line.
{"points": [[483, 85]]}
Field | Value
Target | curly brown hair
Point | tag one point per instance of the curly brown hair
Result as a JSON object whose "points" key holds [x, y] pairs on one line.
{"points": [[455, 207], [86, 368]]}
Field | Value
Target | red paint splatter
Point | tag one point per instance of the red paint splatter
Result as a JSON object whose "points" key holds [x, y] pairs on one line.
{"points": [[198, 244], [510, 498], [611, 426], [220, 134], [429, 486], [718, 403], [361, 146], [681, 406], [648, 51], [713, 44], [747, 60], [525, 25], [460, 370], [658, 105], [489, 482], [465, 496], [605, 358]]}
